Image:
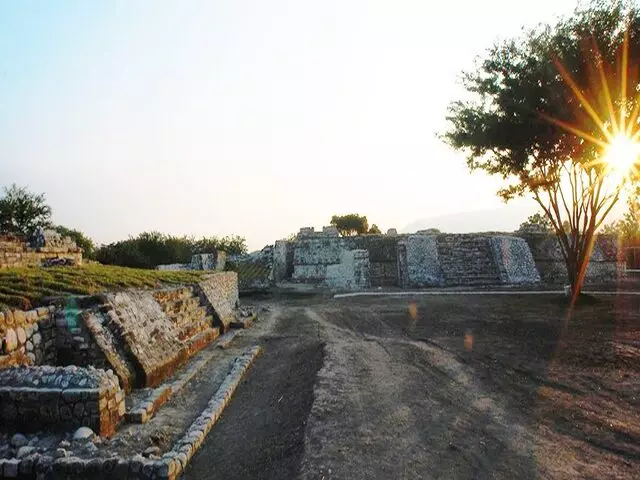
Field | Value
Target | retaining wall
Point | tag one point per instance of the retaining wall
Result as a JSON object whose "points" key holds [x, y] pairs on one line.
{"points": [[15, 253], [27, 338], [545, 249], [145, 335], [352, 273], [220, 290], [59, 398]]}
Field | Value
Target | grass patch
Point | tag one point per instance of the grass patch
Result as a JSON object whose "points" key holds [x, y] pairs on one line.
{"points": [[27, 287]]}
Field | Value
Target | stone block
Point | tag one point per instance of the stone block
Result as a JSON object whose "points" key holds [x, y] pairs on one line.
{"points": [[19, 317], [21, 335], [10, 340]]}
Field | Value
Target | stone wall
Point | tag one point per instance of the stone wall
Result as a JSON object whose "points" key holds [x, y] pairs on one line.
{"points": [[418, 264], [27, 338], [545, 249], [145, 335], [465, 259], [15, 252], [514, 261], [256, 271], [201, 261], [282, 260], [59, 398], [352, 273], [429, 259], [221, 292], [383, 257]]}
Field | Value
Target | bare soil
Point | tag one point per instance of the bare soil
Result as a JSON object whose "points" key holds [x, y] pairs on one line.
{"points": [[437, 387]]}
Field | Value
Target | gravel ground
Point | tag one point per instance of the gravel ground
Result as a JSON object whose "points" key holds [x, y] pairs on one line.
{"points": [[436, 387]]}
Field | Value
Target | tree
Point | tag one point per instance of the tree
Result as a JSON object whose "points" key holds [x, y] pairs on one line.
{"points": [[81, 240], [23, 212], [627, 229], [150, 249], [538, 222], [375, 230], [350, 224], [554, 113]]}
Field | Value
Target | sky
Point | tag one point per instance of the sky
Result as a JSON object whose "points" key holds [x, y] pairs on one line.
{"points": [[248, 117]]}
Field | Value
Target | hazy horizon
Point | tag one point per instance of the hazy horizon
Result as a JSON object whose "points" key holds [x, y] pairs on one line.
{"points": [[249, 118]]}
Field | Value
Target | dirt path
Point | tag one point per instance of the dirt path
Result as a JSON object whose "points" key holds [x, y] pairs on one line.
{"points": [[391, 407], [436, 387], [260, 434]]}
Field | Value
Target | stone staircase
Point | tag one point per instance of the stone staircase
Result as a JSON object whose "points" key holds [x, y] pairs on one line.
{"points": [[467, 260], [186, 311]]}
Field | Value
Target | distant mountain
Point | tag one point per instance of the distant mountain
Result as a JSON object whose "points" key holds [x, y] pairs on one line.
{"points": [[504, 219]]}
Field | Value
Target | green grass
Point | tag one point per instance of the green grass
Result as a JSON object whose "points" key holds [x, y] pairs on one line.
{"points": [[27, 287]]}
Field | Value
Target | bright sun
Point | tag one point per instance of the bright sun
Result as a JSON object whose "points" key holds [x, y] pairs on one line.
{"points": [[621, 154]]}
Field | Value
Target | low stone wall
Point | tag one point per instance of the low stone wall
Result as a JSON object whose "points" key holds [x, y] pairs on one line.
{"points": [[27, 338], [15, 253], [60, 398], [547, 255]]}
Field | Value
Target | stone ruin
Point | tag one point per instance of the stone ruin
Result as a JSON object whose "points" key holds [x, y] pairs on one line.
{"points": [[70, 365], [47, 248], [201, 261], [424, 259]]}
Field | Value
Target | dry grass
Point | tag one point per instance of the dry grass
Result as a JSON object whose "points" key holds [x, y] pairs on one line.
{"points": [[28, 287]]}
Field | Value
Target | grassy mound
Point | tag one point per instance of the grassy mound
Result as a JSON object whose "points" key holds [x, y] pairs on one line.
{"points": [[27, 287]]}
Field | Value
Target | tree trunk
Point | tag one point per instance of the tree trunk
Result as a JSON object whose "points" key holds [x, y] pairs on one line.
{"points": [[573, 270]]}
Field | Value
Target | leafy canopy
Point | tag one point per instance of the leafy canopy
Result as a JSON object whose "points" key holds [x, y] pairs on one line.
{"points": [[150, 249], [543, 111], [23, 212], [80, 239], [350, 224]]}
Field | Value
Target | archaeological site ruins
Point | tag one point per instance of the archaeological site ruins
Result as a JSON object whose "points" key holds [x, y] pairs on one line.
{"points": [[424, 259], [88, 365]]}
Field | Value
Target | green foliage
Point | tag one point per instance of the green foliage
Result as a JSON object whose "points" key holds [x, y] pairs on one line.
{"points": [[375, 230], [23, 212], [513, 122], [27, 287], [84, 242], [505, 128], [538, 222], [627, 229], [150, 249], [350, 224]]}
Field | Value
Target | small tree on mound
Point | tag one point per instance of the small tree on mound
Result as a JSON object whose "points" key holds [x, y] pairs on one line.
{"points": [[350, 224], [375, 230]]}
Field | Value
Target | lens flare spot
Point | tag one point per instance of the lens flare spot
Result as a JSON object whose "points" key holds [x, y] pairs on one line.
{"points": [[413, 315], [413, 311], [468, 341]]}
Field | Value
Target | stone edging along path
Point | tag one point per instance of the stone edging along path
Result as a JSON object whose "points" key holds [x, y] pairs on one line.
{"points": [[169, 466], [461, 292]]}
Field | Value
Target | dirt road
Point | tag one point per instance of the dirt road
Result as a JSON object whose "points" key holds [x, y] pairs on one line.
{"points": [[455, 387]]}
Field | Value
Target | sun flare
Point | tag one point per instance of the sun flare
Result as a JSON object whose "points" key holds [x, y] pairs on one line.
{"points": [[621, 154]]}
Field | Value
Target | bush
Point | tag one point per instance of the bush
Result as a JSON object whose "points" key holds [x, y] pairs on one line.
{"points": [[150, 249], [81, 240]]}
